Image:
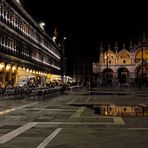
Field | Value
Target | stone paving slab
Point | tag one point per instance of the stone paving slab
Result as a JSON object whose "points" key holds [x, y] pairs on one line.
{"points": [[101, 138], [68, 121]]}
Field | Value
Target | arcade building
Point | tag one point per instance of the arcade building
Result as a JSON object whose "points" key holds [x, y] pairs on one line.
{"points": [[124, 66], [26, 50]]}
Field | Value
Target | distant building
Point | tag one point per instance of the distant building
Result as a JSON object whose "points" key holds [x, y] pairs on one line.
{"points": [[123, 66], [82, 69], [25, 48]]}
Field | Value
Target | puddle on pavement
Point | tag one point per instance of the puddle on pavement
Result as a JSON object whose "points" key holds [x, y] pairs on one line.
{"points": [[121, 110], [106, 93], [118, 110]]}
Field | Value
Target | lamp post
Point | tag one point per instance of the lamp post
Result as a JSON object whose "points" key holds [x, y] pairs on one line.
{"points": [[106, 75], [61, 43], [142, 67], [107, 64], [107, 67], [63, 64], [42, 25], [142, 60]]}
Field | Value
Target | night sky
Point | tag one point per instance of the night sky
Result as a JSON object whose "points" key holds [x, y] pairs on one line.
{"points": [[87, 23]]}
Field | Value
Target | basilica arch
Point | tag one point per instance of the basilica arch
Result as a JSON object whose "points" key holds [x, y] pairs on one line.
{"points": [[141, 73], [123, 75], [108, 75]]}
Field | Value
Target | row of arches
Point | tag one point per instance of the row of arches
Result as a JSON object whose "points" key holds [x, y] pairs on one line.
{"points": [[7, 74], [123, 75], [11, 74]]}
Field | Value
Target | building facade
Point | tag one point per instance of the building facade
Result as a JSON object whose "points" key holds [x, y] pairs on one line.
{"points": [[82, 70], [25, 48], [125, 66]]}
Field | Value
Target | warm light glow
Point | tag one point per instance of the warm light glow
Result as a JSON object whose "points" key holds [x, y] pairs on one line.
{"points": [[14, 68], [24, 68], [8, 67], [105, 112], [55, 77], [6, 111], [27, 70], [2, 65], [49, 76]]}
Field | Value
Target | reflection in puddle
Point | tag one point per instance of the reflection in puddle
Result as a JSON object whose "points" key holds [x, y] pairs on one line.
{"points": [[117, 110], [107, 93], [121, 110]]}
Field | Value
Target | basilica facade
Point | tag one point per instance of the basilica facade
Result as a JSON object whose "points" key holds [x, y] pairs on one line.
{"points": [[124, 66]]}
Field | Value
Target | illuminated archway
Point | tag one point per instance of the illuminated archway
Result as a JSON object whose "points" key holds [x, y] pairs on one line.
{"points": [[2, 68], [13, 74], [8, 75]]}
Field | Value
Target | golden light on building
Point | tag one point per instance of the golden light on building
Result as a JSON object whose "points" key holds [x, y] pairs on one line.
{"points": [[2, 65], [30, 71], [27, 70], [122, 67], [24, 68], [14, 68], [8, 67], [49, 76], [139, 54], [55, 77]]}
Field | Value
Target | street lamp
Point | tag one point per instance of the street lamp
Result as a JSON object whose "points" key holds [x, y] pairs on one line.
{"points": [[54, 38], [107, 64], [18, 1], [63, 60], [142, 66], [42, 25], [61, 43], [55, 35], [142, 60]]}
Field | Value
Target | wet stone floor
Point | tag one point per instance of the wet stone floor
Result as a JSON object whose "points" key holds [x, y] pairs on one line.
{"points": [[71, 121]]}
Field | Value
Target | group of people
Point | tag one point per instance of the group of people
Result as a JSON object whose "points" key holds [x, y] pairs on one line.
{"points": [[87, 85]]}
